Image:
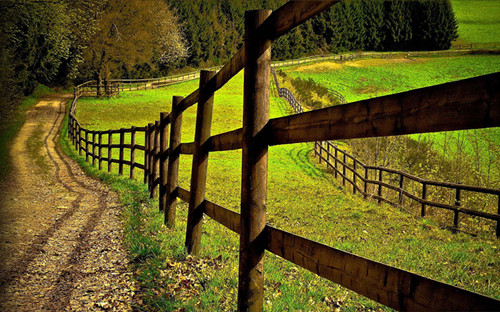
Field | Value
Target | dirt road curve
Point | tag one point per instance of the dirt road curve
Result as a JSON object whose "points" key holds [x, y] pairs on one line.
{"points": [[60, 233]]}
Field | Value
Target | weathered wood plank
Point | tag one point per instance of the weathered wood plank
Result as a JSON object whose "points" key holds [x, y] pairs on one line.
{"points": [[183, 194], [290, 15], [231, 68], [173, 161], [393, 287], [226, 217], [226, 141], [254, 163], [187, 148], [467, 104], [199, 165]]}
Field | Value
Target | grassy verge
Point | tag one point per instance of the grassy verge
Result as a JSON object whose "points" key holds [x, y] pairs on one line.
{"points": [[12, 121], [302, 198]]}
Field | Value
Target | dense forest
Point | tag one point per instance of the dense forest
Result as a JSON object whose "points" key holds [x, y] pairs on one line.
{"points": [[57, 42]]}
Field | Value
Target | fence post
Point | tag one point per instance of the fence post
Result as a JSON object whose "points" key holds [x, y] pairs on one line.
{"points": [[87, 144], [379, 199], [146, 154], [320, 150], [365, 195], [343, 167], [328, 164], [401, 179], [122, 142], [94, 155], [132, 152], [74, 132], [99, 150], [173, 161], [164, 121], [336, 157], [424, 195], [110, 150], [200, 164], [498, 222], [69, 123], [151, 160], [254, 164], [156, 151], [457, 204], [79, 140], [354, 176]]}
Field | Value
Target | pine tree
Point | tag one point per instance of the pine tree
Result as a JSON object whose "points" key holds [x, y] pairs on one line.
{"points": [[373, 24]]}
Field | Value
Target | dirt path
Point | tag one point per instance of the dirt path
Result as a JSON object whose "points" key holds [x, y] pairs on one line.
{"points": [[60, 232]]}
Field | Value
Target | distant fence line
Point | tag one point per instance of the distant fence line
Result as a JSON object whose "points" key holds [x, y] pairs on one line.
{"points": [[388, 285], [118, 85], [392, 186]]}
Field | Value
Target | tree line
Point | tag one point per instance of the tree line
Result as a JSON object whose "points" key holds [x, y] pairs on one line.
{"points": [[53, 42], [214, 28]]}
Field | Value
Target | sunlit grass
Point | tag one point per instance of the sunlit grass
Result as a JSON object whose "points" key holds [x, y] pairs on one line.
{"points": [[478, 20], [368, 78], [302, 199]]}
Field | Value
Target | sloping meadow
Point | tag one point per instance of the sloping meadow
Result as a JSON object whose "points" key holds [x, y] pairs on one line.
{"points": [[302, 199]]}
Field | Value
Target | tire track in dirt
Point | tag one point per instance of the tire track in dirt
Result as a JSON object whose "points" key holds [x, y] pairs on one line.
{"points": [[77, 262]]}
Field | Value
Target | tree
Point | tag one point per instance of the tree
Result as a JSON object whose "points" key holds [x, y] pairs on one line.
{"points": [[397, 25], [435, 26], [35, 42], [129, 33], [373, 24]]}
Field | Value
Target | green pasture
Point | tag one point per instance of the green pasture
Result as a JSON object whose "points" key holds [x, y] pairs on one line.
{"points": [[368, 78], [478, 20], [302, 199], [362, 79]]}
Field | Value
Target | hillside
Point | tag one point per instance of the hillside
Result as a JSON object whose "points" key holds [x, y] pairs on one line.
{"points": [[302, 198]]}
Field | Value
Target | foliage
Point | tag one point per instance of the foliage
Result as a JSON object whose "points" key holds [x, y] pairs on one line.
{"points": [[128, 33], [34, 43], [308, 92], [214, 29]]}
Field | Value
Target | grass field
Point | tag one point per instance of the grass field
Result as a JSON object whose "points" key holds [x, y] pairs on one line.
{"points": [[478, 20], [366, 78], [302, 199], [362, 79]]}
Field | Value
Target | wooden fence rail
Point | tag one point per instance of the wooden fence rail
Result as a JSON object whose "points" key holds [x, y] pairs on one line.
{"points": [[90, 88], [357, 175], [390, 115]]}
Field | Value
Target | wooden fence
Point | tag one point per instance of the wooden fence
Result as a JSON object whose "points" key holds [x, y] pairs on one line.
{"points": [[90, 88], [465, 104], [392, 186]]}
